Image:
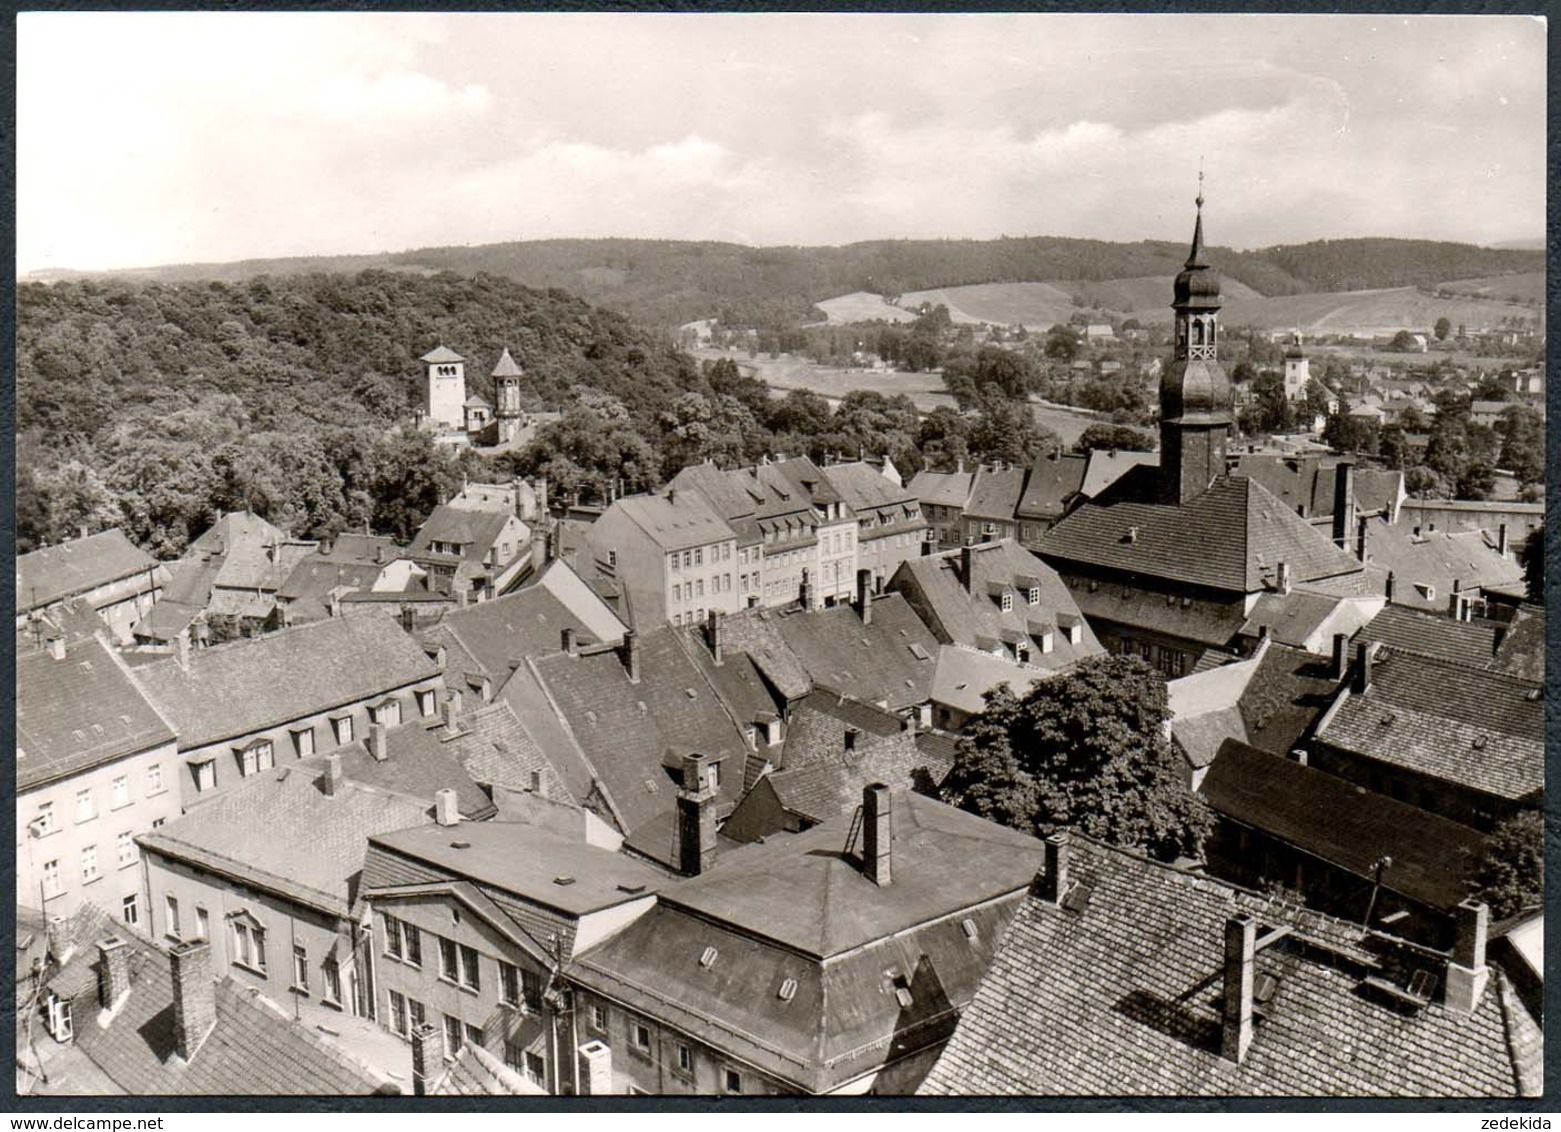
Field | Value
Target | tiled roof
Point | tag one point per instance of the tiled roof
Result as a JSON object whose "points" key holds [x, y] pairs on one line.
{"points": [[830, 783], [1206, 708], [1400, 627], [864, 487], [234, 529], [507, 366], [1054, 482], [247, 686], [962, 613], [1521, 652], [1344, 824], [422, 758], [941, 489], [474, 529], [1163, 612], [497, 751], [807, 475], [756, 634], [995, 493], [74, 567], [1288, 690], [1241, 530], [680, 521], [253, 1048], [442, 353], [1481, 730], [1123, 998], [1309, 481], [737, 680], [316, 576], [1106, 466], [477, 1073], [963, 676], [1291, 618], [874, 662], [281, 832], [251, 565], [79, 712], [1436, 559]]}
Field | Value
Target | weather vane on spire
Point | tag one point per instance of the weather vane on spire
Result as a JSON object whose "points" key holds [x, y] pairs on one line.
{"points": [[1200, 181]]}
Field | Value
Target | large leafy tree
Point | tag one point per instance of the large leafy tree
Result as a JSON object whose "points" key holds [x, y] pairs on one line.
{"points": [[1511, 874], [1086, 749], [1532, 555]]}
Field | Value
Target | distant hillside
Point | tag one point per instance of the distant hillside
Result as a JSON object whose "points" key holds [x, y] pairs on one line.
{"points": [[668, 282]]}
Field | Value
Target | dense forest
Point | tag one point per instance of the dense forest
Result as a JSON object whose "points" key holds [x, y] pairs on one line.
{"points": [[667, 282], [152, 406]]}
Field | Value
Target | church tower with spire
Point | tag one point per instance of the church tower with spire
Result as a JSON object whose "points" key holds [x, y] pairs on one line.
{"points": [[1195, 398]]}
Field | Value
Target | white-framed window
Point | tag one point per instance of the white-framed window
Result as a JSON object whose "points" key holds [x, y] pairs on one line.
{"points": [[303, 742], [732, 1079], [677, 591], [427, 702], [60, 1028], [130, 909], [599, 1018], [1035, 595], [403, 941], [255, 758], [154, 778], [473, 1034], [1008, 602], [509, 984], [171, 915], [458, 964], [86, 809], [531, 990], [126, 848], [205, 775], [51, 879], [44, 822], [397, 1015], [202, 923], [121, 791], [249, 944], [535, 1067], [388, 713], [330, 979], [685, 1063], [300, 968], [639, 1036], [89, 864], [343, 728], [452, 1035]]}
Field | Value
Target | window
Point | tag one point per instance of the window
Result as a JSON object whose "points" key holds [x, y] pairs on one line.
{"points": [[343, 728], [685, 1059], [1035, 595], [249, 945], [449, 967], [1008, 602], [388, 713], [734, 1081], [300, 968], [85, 810], [256, 758], [330, 980], [612, 558], [205, 775], [474, 1034], [639, 1035], [60, 1028], [426, 703], [303, 742], [599, 1019], [130, 909], [89, 864], [202, 923], [699, 587], [398, 1013], [51, 878], [458, 964], [535, 1067], [452, 1036], [127, 849], [699, 556], [531, 990], [44, 822], [121, 791], [171, 916], [403, 941], [677, 591], [509, 984]]}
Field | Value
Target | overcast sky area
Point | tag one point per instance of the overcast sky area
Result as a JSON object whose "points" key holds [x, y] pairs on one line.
{"points": [[152, 138]]}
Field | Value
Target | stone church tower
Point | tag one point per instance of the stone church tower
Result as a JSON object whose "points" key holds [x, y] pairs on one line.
{"points": [[1195, 397], [506, 386], [446, 388]]}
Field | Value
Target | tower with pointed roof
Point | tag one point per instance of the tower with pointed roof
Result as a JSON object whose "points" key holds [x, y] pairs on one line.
{"points": [[1195, 394], [506, 386], [446, 408], [1298, 371]]}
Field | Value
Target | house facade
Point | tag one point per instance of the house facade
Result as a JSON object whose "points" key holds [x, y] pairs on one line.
{"points": [[675, 557], [119, 580]]}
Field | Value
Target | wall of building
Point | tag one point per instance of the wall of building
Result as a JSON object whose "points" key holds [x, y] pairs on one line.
{"points": [[1449, 799], [153, 798], [708, 581], [837, 551], [1457, 516], [120, 603]]}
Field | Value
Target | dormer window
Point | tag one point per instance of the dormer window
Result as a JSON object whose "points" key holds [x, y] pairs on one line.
{"points": [[1008, 602], [1035, 595]]}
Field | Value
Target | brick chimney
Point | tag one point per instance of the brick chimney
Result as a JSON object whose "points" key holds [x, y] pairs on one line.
{"points": [[425, 1056], [377, 746], [1343, 504], [967, 561], [1282, 577], [1240, 969], [1361, 679], [771, 725], [335, 604], [696, 815], [56, 646], [1052, 884], [713, 630], [594, 1061], [1341, 656], [1467, 973], [539, 785], [113, 972], [567, 640], [1362, 533], [877, 833], [446, 811], [333, 776], [629, 652], [194, 996], [864, 595]]}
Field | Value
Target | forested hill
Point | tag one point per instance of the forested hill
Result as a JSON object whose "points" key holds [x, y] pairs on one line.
{"points": [[667, 282]]}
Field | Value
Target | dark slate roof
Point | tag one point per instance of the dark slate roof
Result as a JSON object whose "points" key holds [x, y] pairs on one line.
{"points": [[1286, 693], [281, 832], [1054, 483], [472, 528], [496, 750], [1521, 652], [830, 783], [626, 730], [1481, 730], [316, 576], [1241, 530], [871, 494], [74, 567], [1400, 627], [995, 493], [78, 713], [237, 689], [422, 758], [737, 680], [1308, 481], [867, 662], [756, 634], [1345, 825], [253, 1049], [1123, 998]]}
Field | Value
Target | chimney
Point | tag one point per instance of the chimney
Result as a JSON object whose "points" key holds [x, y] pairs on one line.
{"points": [[1341, 655], [1362, 531], [333, 775], [335, 604], [696, 816], [713, 623], [1343, 503], [1282, 577], [445, 810], [425, 1056], [928, 545], [1362, 679], [1467, 973], [1262, 634], [1501, 540], [1387, 588], [771, 723], [377, 741], [1052, 884], [805, 592], [967, 561], [1240, 967], [56, 645], [194, 996], [594, 1064], [629, 651], [181, 649], [567, 640], [539, 784], [113, 972], [877, 833], [864, 595]]}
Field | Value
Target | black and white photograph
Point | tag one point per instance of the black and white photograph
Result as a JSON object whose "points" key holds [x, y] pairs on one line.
{"points": [[863, 556]]}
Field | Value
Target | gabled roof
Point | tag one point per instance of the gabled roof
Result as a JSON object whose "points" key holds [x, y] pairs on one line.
{"points": [[422, 758], [1521, 651], [941, 489], [79, 712], [1480, 730], [1106, 466], [252, 1049], [1241, 530], [1345, 825], [473, 529], [875, 662], [1292, 618], [477, 1073], [995, 493], [496, 750], [1054, 482], [1435, 559], [1123, 998], [1288, 690], [246, 686], [237, 528], [1210, 623], [1402, 628], [249, 564], [963, 677], [74, 567], [680, 521]]}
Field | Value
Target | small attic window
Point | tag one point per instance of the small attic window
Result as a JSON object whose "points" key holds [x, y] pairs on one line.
{"points": [[689, 692], [788, 990], [591, 717], [650, 786], [969, 927], [902, 991], [1077, 898], [1479, 742], [918, 651], [86, 666], [563, 882], [1533, 696], [707, 957]]}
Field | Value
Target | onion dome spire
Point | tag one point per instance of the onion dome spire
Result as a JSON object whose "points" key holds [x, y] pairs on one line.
{"points": [[1195, 256]]}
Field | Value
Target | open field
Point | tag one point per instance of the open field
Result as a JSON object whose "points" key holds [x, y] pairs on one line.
{"points": [[1526, 287], [863, 306], [1035, 305]]}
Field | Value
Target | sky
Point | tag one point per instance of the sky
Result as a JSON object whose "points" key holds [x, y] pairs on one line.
{"points": [[153, 138]]}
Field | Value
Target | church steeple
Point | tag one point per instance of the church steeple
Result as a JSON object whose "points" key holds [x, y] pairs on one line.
{"points": [[1195, 393]]}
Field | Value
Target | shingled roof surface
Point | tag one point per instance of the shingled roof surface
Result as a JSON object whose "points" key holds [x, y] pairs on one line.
{"points": [[1123, 998], [963, 676], [1521, 652], [281, 832], [74, 567], [497, 751], [995, 493], [1436, 560], [941, 489], [473, 529], [1241, 531], [253, 1049], [1292, 618], [1400, 627], [1054, 482], [1288, 690], [77, 713], [247, 686], [756, 634], [1344, 824], [422, 758], [1481, 730], [477, 1073], [874, 662], [680, 521], [1207, 622]]}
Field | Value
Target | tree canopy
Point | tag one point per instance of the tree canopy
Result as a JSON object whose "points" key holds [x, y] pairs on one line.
{"points": [[1511, 874]]}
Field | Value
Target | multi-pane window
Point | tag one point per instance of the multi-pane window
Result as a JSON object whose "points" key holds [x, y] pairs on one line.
{"points": [[531, 990], [535, 1067], [202, 923], [403, 941], [452, 1036], [171, 916], [398, 1013], [249, 946], [154, 778], [44, 822], [416, 1015], [685, 1059], [127, 849], [330, 979], [509, 983], [51, 878], [121, 790], [205, 774], [85, 809], [303, 742], [639, 1035], [130, 909], [254, 759], [474, 1034], [458, 963], [89, 864], [599, 1018], [300, 968], [343, 728]]}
